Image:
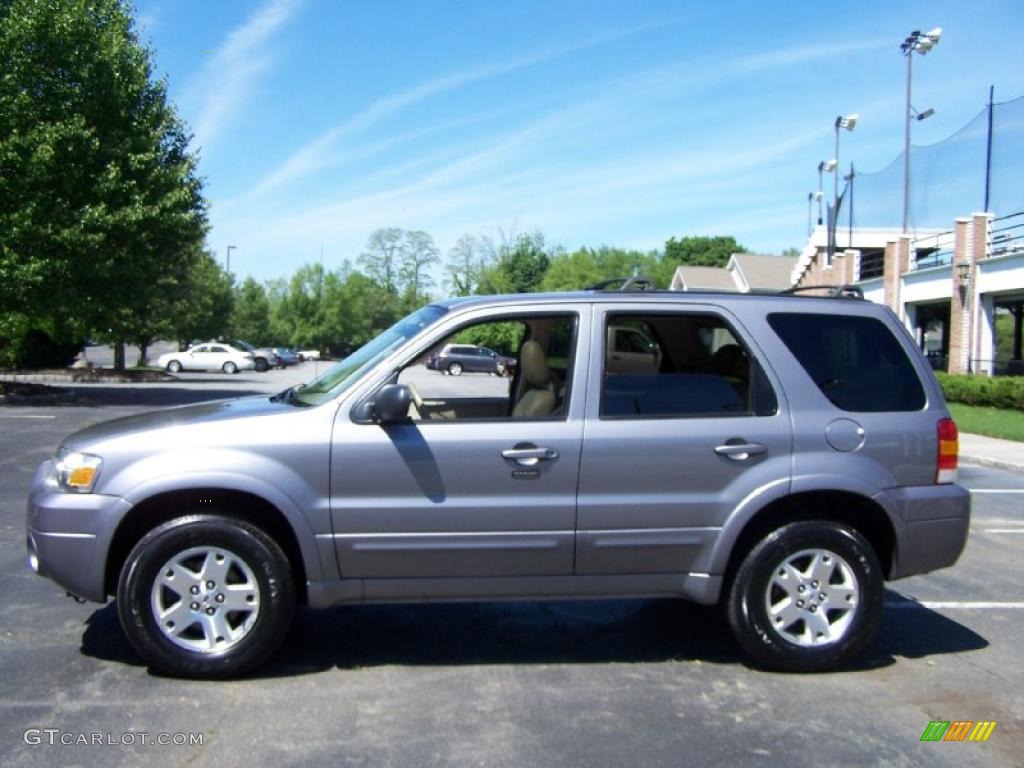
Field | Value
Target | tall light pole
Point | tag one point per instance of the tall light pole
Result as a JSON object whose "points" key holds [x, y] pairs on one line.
{"points": [[848, 123], [825, 166], [921, 44], [230, 249]]}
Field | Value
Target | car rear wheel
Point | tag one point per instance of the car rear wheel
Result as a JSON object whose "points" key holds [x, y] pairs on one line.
{"points": [[261, 364], [455, 369], [205, 596], [230, 367], [807, 597], [174, 367]]}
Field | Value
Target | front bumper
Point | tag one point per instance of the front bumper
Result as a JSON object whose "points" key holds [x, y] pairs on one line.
{"points": [[935, 520], [68, 535]]}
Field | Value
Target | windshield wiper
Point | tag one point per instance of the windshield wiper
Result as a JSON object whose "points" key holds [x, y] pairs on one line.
{"points": [[287, 395]]}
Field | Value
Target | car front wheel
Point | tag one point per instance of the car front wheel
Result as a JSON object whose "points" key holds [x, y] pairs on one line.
{"points": [[261, 365], [230, 367], [807, 597], [205, 596], [455, 369], [174, 367]]}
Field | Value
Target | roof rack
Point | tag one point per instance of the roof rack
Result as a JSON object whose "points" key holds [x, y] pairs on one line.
{"points": [[834, 291], [635, 283]]}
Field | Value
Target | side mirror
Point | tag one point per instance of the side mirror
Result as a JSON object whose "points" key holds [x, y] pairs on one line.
{"points": [[392, 403]]}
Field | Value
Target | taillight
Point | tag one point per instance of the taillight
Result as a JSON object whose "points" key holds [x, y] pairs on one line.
{"points": [[949, 447]]}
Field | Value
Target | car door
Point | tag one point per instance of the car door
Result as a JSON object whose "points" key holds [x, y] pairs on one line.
{"points": [[669, 454], [218, 356], [490, 497], [196, 358]]}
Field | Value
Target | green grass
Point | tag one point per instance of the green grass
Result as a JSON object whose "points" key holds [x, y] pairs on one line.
{"points": [[994, 422]]}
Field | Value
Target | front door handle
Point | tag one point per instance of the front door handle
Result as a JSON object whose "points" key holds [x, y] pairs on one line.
{"points": [[740, 451], [528, 455]]}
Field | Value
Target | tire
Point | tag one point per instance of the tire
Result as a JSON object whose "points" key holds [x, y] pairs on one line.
{"points": [[763, 602], [261, 365], [455, 369], [174, 367], [191, 549], [229, 367]]}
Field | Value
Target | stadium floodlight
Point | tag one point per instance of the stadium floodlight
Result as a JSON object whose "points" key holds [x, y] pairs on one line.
{"points": [[922, 44]]}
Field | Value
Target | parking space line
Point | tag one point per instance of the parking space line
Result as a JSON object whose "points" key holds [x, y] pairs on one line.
{"points": [[996, 490], [977, 605], [998, 530], [27, 416]]}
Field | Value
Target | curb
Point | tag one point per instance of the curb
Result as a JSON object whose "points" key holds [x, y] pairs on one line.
{"points": [[988, 461]]}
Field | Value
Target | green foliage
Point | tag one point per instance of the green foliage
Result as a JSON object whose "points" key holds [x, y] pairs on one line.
{"points": [[100, 205], [994, 422], [575, 271], [698, 251], [250, 316], [995, 391], [503, 338], [23, 344], [1004, 336], [519, 266], [201, 303]]}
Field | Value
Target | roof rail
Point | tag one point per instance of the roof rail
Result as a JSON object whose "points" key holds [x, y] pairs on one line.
{"points": [[834, 291], [635, 283]]}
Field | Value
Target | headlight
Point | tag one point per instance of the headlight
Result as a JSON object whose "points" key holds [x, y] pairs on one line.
{"points": [[76, 472]]}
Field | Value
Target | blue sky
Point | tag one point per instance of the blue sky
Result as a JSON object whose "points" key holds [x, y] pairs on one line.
{"points": [[624, 123]]}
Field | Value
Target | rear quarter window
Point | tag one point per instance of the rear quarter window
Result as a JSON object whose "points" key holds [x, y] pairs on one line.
{"points": [[855, 361]]}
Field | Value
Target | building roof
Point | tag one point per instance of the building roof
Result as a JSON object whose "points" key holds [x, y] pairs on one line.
{"points": [[744, 272], [762, 272], [703, 278]]}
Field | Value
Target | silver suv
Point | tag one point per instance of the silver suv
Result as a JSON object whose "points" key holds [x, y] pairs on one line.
{"points": [[780, 455]]}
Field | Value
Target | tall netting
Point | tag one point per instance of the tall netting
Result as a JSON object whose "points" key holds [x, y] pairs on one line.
{"points": [[947, 179], [1007, 186]]}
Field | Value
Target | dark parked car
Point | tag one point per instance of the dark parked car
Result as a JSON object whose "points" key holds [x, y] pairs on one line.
{"points": [[286, 356], [456, 359]]}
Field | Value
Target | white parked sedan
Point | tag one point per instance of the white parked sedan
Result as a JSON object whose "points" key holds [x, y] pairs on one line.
{"points": [[208, 357]]}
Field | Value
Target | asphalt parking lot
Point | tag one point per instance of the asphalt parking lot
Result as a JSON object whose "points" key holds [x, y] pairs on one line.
{"points": [[595, 683]]}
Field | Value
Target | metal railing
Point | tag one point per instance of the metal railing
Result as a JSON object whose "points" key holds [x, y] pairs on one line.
{"points": [[1006, 235], [932, 251], [872, 265]]}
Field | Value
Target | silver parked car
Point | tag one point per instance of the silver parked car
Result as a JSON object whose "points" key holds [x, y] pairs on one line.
{"points": [[780, 455], [208, 356]]}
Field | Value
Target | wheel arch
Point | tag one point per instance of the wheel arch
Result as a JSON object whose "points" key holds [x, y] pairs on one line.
{"points": [[860, 512], [161, 507]]}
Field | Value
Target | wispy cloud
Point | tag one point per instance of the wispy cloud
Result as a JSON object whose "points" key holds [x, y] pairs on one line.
{"points": [[536, 172], [225, 83], [321, 151]]}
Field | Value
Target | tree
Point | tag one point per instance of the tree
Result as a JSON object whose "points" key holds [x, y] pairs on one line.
{"points": [[381, 258], [203, 307], [417, 254], [250, 317], [464, 264], [696, 251], [519, 267], [99, 198]]}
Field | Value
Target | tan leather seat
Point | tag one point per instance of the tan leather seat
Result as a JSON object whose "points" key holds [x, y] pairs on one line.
{"points": [[538, 398]]}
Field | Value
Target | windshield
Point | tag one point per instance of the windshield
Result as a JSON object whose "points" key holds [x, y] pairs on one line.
{"points": [[341, 376]]}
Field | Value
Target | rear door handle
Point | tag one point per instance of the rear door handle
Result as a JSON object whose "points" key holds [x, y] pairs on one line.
{"points": [[740, 451], [527, 456]]}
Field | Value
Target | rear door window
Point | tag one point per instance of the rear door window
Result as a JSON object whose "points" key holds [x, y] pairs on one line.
{"points": [[687, 366], [856, 362]]}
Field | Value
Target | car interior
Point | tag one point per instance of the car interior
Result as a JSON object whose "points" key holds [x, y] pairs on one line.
{"points": [[680, 366], [537, 389]]}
